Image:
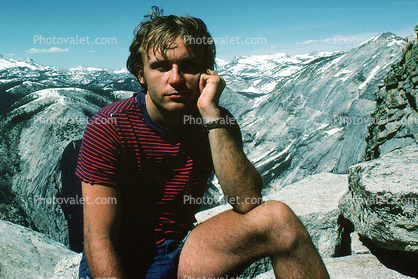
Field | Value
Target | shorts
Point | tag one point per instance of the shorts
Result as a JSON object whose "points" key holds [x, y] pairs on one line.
{"points": [[165, 262]]}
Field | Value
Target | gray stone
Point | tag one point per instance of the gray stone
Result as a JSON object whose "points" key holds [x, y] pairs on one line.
{"points": [[395, 143], [364, 266], [357, 246], [28, 254], [383, 139], [390, 82], [415, 80], [67, 268], [382, 201], [395, 98], [315, 200]]}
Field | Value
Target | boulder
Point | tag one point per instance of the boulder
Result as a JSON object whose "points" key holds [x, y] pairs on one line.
{"points": [[382, 202], [315, 201], [25, 253], [364, 266], [67, 268]]}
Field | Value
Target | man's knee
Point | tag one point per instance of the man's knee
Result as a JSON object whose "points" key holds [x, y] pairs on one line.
{"points": [[273, 214], [280, 225]]}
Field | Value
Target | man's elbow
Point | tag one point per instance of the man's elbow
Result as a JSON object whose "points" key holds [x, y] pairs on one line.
{"points": [[248, 204]]}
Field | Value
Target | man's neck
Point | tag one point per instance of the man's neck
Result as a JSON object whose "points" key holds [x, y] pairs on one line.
{"points": [[166, 119]]}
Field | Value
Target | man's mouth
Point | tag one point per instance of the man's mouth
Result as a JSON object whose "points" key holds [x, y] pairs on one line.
{"points": [[177, 94]]}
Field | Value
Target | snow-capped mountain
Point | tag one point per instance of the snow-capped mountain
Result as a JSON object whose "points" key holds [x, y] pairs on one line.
{"points": [[314, 119], [43, 109], [261, 73], [299, 115]]}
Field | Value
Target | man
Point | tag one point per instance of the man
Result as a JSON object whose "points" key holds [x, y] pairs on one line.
{"points": [[143, 153]]}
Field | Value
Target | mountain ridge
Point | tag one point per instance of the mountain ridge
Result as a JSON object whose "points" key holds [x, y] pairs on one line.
{"points": [[313, 104], [291, 131]]}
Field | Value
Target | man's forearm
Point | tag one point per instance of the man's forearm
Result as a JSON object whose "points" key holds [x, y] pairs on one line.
{"points": [[240, 181], [102, 259]]}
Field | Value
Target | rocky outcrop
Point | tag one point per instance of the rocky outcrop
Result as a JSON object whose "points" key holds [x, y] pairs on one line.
{"points": [[67, 268], [394, 122], [315, 201], [28, 254], [382, 201], [354, 266]]}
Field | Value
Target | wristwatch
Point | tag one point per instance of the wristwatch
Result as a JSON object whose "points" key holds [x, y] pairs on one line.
{"points": [[220, 123]]}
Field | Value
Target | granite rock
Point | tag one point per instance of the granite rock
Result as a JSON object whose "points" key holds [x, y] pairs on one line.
{"points": [[25, 253], [364, 266], [382, 201]]}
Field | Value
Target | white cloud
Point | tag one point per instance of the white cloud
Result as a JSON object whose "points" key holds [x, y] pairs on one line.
{"points": [[312, 42], [10, 54], [51, 50]]}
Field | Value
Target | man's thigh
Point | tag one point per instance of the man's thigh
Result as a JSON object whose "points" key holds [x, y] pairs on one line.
{"points": [[224, 245]]}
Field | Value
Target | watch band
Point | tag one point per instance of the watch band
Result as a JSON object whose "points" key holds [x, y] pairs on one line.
{"points": [[216, 124]]}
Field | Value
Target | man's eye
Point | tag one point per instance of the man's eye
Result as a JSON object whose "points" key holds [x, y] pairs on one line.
{"points": [[163, 68], [190, 68]]}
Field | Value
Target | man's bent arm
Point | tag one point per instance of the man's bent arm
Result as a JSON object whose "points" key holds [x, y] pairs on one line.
{"points": [[100, 229], [240, 181]]}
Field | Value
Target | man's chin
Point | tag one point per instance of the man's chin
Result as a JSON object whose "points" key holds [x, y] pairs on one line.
{"points": [[178, 108]]}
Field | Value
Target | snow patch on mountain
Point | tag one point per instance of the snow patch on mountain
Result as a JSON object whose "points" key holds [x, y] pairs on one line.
{"points": [[27, 63], [371, 75]]}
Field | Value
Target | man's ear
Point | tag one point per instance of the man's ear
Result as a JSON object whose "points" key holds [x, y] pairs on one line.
{"points": [[140, 76]]}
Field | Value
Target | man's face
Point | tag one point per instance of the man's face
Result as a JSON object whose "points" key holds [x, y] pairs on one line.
{"points": [[172, 82]]}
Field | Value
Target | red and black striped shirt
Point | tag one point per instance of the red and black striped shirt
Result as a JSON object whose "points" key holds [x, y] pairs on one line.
{"points": [[157, 171]]}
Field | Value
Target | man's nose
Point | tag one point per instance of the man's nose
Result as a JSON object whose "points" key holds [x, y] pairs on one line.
{"points": [[176, 76]]}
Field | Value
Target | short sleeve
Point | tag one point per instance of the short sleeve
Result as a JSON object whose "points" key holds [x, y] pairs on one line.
{"points": [[99, 152]]}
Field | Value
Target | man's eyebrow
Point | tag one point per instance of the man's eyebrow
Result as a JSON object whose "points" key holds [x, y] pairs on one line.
{"points": [[183, 60]]}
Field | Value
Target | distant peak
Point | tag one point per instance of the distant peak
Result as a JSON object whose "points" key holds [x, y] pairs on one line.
{"points": [[85, 68]]}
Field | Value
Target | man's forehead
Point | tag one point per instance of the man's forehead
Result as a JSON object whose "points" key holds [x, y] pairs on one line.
{"points": [[155, 53]]}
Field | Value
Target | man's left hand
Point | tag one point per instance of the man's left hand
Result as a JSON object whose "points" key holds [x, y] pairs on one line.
{"points": [[211, 86]]}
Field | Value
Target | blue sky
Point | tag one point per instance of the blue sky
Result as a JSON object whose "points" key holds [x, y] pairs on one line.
{"points": [[28, 28]]}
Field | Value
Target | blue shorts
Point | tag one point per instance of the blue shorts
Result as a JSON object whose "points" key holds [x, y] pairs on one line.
{"points": [[165, 262]]}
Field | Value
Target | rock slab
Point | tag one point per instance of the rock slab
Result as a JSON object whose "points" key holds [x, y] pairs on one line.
{"points": [[353, 267], [25, 253], [382, 201], [314, 200]]}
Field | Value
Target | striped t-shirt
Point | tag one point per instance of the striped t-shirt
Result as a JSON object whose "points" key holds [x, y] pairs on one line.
{"points": [[158, 172]]}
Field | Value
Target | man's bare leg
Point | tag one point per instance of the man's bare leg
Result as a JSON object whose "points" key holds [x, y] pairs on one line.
{"points": [[229, 242]]}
